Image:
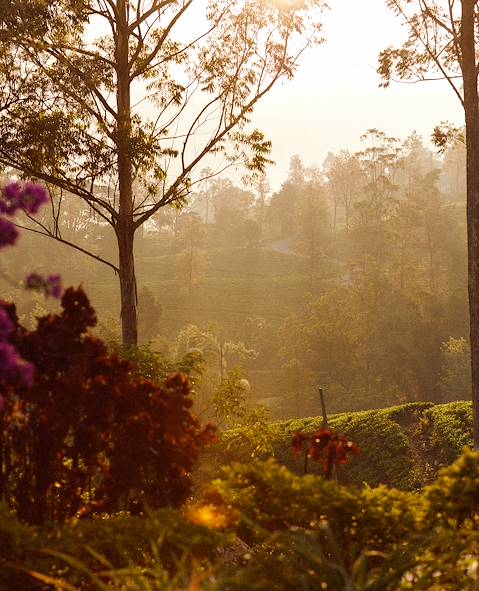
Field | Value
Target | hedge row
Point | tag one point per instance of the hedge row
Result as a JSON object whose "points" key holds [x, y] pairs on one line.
{"points": [[402, 447]]}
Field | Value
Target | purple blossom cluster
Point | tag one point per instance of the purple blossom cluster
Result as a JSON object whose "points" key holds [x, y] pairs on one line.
{"points": [[12, 367], [29, 198], [13, 197], [50, 286], [8, 233]]}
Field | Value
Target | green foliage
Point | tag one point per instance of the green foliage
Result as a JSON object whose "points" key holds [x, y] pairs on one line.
{"points": [[19, 543], [282, 530], [156, 366], [163, 539], [270, 496], [454, 497], [231, 405], [332, 537], [447, 429], [402, 446]]}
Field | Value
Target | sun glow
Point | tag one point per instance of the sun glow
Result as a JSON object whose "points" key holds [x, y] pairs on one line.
{"points": [[210, 516]]}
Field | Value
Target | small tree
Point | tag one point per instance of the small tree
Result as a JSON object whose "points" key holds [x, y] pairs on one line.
{"points": [[90, 434], [109, 102]]}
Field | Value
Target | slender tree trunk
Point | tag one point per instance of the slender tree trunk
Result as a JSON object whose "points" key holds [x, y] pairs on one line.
{"points": [[346, 214], [432, 274], [191, 255], [125, 229], [471, 108], [129, 321]]}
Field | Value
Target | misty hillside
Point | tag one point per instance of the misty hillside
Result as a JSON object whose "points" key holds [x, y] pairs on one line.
{"points": [[239, 295], [351, 277]]}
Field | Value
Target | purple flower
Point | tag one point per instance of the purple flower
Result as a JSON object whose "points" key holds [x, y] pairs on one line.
{"points": [[50, 287], [13, 367], [56, 289], [8, 233], [6, 325], [29, 198], [12, 198], [33, 197], [34, 281]]}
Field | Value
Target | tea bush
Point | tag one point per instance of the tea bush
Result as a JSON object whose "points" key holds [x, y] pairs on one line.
{"points": [[314, 534], [402, 446], [269, 497], [448, 429]]}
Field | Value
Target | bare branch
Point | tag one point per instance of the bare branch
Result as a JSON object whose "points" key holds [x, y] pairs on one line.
{"points": [[72, 245]]}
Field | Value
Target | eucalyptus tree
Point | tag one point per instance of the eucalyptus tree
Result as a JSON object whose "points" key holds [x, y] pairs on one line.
{"points": [[443, 44], [120, 102], [346, 180]]}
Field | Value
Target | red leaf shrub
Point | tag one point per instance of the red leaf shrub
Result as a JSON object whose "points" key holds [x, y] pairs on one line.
{"points": [[89, 434]]}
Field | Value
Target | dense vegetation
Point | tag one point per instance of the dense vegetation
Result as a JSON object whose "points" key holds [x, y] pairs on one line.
{"points": [[90, 435], [262, 527], [352, 276], [105, 433], [345, 291], [403, 447]]}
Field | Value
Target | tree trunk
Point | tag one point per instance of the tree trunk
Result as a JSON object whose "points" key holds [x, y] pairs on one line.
{"points": [[125, 228], [471, 109], [129, 320]]}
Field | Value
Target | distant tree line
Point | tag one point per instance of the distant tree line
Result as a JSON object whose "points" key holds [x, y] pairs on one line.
{"points": [[352, 276]]}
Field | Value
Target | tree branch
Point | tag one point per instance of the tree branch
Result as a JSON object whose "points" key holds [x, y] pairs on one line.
{"points": [[71, 245]]}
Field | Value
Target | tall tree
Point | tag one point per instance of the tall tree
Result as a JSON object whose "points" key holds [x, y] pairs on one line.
{"points": [[443, 44], [281, 210], [191, 238], [119, 102], [346, 181], [313, 237]]}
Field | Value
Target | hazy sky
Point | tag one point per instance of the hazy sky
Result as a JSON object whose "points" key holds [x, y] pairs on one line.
{"points": [[335, 97]]}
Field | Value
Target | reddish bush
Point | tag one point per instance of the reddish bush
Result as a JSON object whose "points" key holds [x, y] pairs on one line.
{"points": [[89, 434]]}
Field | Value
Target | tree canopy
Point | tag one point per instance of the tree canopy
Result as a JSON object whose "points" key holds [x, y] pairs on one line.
{"points": [[118, 102]]}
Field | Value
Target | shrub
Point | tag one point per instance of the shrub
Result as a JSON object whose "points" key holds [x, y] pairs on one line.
{"points": [[448, 428], [402, 446], [312, 534], [269, 498], [162, 539], [385, 458], [303, 533], [90, 433], [454, 497]]}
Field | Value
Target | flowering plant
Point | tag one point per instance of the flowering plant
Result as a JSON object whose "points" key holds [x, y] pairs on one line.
{"points": [[28, 198], [328, 447], [89, 435], [15, 197]]}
